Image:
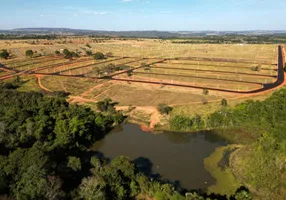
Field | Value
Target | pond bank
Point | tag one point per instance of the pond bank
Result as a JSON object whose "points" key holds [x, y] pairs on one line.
{"points": [[218, 164]]}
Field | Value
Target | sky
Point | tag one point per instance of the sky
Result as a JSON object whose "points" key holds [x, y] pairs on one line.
{"points": [[124, 15]]}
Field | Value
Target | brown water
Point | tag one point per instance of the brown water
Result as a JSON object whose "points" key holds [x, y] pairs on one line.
{"points": [[174, 156]]}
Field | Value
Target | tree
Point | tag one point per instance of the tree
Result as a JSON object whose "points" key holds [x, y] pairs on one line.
{"points": [[129, 73], [88, 52], [105, 105], [205, 91], [224, 102], [74, 55], [257, 68], [88, 45], [66, 52], [53, 189], [4, 54], [74, 163], [29, 53], [98, 56], [92, 188], [164, 109], [57, 52]]}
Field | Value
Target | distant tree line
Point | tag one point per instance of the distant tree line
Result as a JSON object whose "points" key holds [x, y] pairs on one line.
{"points": [[26, 37], [231, 39]]}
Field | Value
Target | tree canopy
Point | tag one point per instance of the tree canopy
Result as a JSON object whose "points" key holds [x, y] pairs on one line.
{"points": [[29, 53], [99, 56], [4, 54]]}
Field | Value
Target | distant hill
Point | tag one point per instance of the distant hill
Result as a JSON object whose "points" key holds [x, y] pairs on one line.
{"points": [[146, 34]]}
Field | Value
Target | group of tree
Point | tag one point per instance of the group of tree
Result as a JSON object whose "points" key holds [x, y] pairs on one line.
{"points": [[231, 39], [70, 54], [43, 143]]}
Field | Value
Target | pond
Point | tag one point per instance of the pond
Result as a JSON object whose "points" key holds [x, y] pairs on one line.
{"points": [[175, 156]]}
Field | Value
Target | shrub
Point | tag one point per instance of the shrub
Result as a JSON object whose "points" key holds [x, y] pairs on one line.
{"points": [[257, 68], [4, 54], [224, 102], [205, 91], [98, 56], [164, 109], [88, 52], [29, 53]]}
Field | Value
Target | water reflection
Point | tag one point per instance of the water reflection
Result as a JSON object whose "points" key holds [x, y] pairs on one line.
{"points": [[178, 157]]}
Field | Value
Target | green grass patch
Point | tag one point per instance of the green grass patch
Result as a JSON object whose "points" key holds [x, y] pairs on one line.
{"points": [[217, 165]]}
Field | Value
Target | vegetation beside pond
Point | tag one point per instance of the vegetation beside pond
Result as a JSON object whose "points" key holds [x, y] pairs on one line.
{"points": [[45, 154], [260, 163]]}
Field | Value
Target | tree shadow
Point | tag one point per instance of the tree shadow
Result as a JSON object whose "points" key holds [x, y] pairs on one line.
{"points": [[145, 165]]}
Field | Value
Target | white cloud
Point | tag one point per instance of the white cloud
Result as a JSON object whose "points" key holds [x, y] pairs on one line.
{"points": [[126, 1]]}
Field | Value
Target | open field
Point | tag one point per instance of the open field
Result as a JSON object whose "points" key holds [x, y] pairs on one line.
{"points": [[151, 72]]}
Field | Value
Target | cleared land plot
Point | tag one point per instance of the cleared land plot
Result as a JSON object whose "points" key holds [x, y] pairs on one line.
{"points": [[254, 53], [198, 81], [218, 69], [143, 95], [39, 65], [158, 49], [220, 64], [91, 69], [75, 86], [236, 77]]}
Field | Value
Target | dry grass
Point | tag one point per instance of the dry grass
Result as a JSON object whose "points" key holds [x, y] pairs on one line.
{"points": [[145, 94]]}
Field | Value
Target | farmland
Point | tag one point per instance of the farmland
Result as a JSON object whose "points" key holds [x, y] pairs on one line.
{"points": [[146, 72]]}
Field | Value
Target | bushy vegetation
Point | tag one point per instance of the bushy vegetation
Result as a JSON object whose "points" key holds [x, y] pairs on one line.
{"points": [[120, 179], [164, 109], [43, 142], [57, 52], [29, 53], [88, 52], [44, 153], [4, 54], [224, 102], [70, 55], [98, 56], [257, 68], [256, 116], [205, 91]]}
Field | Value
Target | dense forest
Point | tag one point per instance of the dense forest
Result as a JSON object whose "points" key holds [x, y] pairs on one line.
{"points": [[44, 154], [265, 123]]}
